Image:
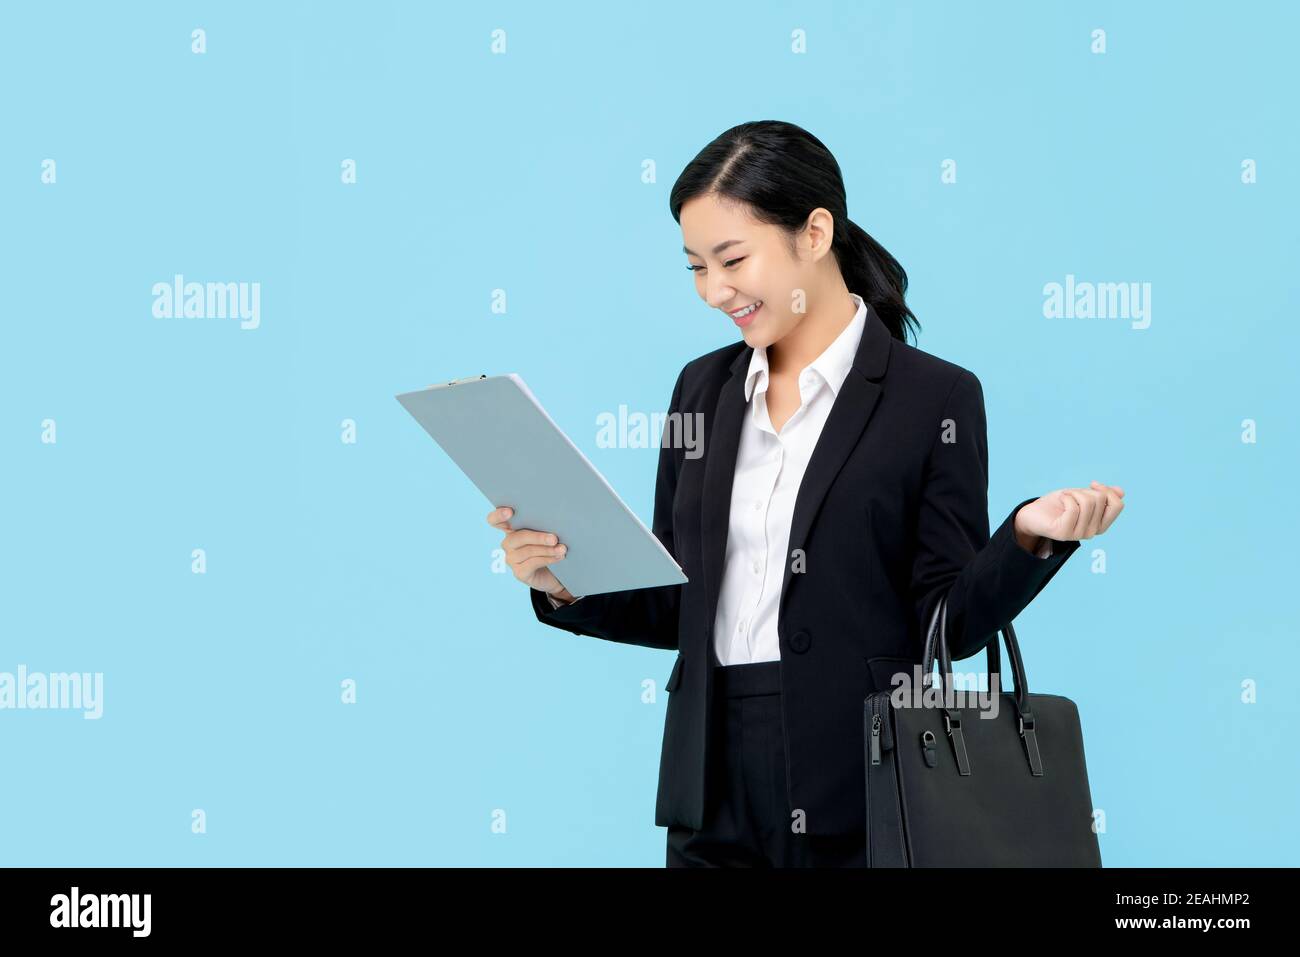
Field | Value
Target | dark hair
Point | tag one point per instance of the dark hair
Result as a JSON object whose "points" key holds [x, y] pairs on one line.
{"points": [[782, 173]]}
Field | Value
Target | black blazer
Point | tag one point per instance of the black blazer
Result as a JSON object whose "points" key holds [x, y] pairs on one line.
{"points": [[890, 513]]}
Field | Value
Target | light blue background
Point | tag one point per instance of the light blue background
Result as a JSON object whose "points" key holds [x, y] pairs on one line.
{"points": [[475, 172]]}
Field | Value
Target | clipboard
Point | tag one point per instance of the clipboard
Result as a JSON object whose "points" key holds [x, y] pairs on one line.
{"points": [[501, 437]]}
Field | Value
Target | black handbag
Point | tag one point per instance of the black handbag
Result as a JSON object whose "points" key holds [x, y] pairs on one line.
{"points": [[947, 787]]}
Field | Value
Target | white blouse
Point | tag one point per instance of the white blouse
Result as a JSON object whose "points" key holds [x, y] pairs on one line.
{"points": [[769, 467]]}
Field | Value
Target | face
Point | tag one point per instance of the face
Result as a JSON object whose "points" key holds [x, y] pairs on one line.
{"points": [[738, 261]]}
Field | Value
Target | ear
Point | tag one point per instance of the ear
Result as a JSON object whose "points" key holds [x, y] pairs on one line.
{"points": [[818, 233]]}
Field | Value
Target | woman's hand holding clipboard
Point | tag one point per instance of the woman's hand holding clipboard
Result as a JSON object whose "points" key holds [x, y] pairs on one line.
{"points": [[529, 552]]}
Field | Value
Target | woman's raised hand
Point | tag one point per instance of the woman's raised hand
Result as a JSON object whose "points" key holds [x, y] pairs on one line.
{"points": [[1072, 514]]}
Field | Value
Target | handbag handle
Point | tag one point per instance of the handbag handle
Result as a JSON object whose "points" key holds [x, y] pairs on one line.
{"points": [[939, 637], [936, 642]]}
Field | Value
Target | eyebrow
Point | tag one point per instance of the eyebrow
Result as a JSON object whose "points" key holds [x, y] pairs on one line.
{"points": [[716, 249]]}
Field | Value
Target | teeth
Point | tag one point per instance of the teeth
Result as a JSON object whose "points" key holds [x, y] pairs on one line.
{"points": [[747, 310]]}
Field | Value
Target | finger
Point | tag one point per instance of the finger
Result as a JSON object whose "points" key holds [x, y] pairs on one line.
{"points": [[1114, 488], [1098, 510], [1081, 519], [528, 536], [497, 518], [1072, 510], [527, 569], [1114, 505], [1088, 500], [520, 555]]}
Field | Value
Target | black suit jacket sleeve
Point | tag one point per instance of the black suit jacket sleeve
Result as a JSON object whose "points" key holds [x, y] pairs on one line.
{"points": [[989, 580], [639, 616]]}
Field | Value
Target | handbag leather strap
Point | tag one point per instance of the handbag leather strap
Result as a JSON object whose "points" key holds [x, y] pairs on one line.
{"points": [[937, 639]]}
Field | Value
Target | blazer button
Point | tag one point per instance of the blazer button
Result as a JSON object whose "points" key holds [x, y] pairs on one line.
{"points": [[800, 641]]}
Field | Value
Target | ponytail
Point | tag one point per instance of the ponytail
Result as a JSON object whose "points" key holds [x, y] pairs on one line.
{"points": [[871, 272]]}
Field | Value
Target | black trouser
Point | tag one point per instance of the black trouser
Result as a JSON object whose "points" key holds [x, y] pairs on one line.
{"points": [[748, 821]]}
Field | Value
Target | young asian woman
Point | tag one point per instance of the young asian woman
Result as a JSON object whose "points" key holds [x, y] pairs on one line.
{"points": [[842, 490]]}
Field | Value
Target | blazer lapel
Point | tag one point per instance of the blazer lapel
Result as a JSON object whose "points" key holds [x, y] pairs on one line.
{"points": [[719, 476], [848, 417], [844, 426]]}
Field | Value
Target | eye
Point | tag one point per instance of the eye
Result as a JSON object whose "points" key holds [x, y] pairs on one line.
{"points": [[728, 264]]}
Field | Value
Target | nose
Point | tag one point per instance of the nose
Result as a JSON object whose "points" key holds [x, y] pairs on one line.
{"points": [[719, 294]]}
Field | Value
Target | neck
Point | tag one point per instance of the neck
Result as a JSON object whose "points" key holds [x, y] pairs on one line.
{"points": [[811, 337]]}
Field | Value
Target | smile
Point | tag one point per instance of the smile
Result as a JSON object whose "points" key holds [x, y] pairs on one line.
{"points": [[742, 317]]}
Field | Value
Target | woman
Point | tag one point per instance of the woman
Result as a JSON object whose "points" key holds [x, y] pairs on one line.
{"points": [[842, 490]]}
